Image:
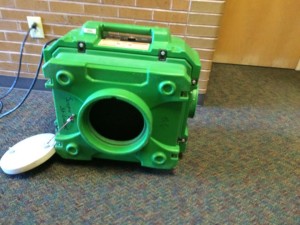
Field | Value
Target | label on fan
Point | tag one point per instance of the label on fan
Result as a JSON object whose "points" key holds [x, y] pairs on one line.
{"points": [[124, 44], [89, 30]]}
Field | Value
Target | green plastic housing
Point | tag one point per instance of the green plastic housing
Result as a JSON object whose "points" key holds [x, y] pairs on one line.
{"points": [[131, 100]]}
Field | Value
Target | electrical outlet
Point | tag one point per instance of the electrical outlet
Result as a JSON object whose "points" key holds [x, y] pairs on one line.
{"points": [[38, 32]]}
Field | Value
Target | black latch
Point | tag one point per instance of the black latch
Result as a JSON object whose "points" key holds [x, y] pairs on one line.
{"points": [[162, 55], [81, 46]]}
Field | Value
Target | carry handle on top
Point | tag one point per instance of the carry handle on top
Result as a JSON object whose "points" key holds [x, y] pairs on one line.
{"points": [[157, 34]]}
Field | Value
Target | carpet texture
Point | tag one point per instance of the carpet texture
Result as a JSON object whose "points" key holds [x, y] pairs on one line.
{"points": [[241, 165]]}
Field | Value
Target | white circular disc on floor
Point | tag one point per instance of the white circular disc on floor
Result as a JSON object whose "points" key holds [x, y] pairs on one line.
{"points": [[28, 154]]}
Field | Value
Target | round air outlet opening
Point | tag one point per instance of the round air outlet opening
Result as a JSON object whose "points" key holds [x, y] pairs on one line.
{"points": [[116, 120]]}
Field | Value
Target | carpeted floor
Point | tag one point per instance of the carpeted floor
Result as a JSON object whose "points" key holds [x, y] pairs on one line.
{"points": [[241, 165]]}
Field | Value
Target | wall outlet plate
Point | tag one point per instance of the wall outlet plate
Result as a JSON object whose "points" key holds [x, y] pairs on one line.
{"points": [[39, 31]]}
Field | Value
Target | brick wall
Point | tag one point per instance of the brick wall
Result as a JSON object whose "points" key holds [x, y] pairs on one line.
{"points": [[196, 21]]}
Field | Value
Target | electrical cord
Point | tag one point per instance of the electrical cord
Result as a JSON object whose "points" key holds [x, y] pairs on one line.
{"points": [[20, 65], [33, 81], [19, 70], [34, 26]]}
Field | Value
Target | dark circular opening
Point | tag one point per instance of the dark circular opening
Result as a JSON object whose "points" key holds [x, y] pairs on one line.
{"points": [[116, 120], [64, 78]]}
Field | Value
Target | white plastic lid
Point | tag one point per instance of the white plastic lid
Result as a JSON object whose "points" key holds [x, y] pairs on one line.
{"points": [[28, 154]]}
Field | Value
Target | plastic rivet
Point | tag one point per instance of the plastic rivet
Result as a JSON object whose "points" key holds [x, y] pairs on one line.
{"points": [[64, 78], [72, 149], [167, 87], [159, 158]]}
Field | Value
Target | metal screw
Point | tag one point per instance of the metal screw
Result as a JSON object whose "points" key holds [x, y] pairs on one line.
{"points": [[182, 140], [81, 45], [194, 82]]}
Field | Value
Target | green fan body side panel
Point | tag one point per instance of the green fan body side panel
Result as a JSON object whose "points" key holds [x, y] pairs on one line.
{"points": [[131, 95]]}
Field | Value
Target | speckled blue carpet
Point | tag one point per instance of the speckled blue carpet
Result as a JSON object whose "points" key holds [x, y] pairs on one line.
{"points": [[241, 165]]}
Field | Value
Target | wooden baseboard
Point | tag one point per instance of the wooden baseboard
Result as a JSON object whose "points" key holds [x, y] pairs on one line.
{"points": [[298, 66], [201, 98]]}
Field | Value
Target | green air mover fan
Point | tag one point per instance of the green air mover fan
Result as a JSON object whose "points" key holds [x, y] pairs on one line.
{"points": [[130, 90]]}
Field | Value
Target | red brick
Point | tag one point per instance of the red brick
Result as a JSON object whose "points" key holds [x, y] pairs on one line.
{"points": [[50, 18], [201, 42], [207, 6], [32, 68], [206, 53], [8, 25], [7, 73], [11, 66], [119, 2], [118, 20], [13, 14], [135, 13], [2, 36], [182, 5], [5, 56], [10, 46], [167, 16], [77, 20], [202, 86], [13, 36], [204, 75], [33, 59], [204, 19], [33, 49], [62, 30], [151, 23], [202, 31], [206, 64], [159, 4], [66, 7], [32, 5], [7, 3], [100, 10], [177, 29]]}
